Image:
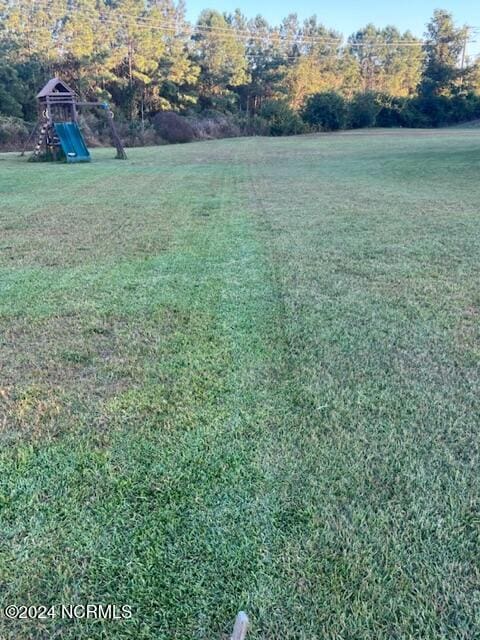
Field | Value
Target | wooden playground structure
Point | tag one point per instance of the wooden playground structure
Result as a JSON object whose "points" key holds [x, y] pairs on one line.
{"points": [[58, 136]]}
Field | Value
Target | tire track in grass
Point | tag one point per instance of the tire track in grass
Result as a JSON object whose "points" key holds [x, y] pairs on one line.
{"points": [[166, 511]]}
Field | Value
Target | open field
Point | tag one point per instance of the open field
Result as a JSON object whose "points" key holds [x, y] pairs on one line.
{"points": [[244, 374]]}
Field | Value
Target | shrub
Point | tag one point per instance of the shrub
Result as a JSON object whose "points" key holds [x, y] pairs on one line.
{"points": [[132, 133], [255, 126], [464, 108], [173, 128], [390, 111], [211, 124], [411, 115], [281, 119], [13, 132], [438, 111], [424, 112], [325, 111], [363, 110]]}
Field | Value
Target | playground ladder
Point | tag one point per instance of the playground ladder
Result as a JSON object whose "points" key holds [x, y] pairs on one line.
{"points": [[41, 138]]}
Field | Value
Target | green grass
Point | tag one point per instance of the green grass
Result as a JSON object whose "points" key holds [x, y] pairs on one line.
{"points": [[244, 374]]}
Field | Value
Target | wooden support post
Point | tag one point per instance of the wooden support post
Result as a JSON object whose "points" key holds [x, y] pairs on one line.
{"points": [[241, 627], [121, 155], [48, 111]]}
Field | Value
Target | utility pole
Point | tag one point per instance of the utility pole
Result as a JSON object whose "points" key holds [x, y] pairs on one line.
{"points": [[464, 54]]}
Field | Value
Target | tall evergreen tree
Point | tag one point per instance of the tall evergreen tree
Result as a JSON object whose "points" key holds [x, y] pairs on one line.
{"points": [[265, 63], [443, 49], [389, 62], [317, 67], [221, 55], [177, 74]]}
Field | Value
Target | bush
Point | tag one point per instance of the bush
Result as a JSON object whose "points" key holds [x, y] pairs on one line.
{"points": [[14, 132], [390, 111], [173, 128], [423, 112], [211, 125], [438, 111], [325, 111], [363, 110], [464, 108], [255, 126], [281, 119], [131, 132]]}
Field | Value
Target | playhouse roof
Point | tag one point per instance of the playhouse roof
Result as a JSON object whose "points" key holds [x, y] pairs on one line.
{"points": [[54, 87]]}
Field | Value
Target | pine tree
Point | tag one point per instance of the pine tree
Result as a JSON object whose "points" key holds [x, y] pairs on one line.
{"points": [[221, 55], [317, 68], [443, 50]]}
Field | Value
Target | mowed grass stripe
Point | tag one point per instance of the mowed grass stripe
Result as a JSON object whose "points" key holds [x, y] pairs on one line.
{"points": [[286, 405], [377, 459], [157, 500]]}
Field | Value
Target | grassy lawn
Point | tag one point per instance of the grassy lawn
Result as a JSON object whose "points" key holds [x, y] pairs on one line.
{"points": [[244, 374]]}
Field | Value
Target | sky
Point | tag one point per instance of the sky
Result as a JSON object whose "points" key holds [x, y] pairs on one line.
{"points": [[349, 15]]}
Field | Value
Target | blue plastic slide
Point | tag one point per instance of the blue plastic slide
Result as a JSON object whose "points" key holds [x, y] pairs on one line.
{"points": [[72, 142]]}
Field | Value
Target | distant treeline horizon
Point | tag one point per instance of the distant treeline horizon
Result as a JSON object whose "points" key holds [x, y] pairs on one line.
{"points": [[144, 57]]}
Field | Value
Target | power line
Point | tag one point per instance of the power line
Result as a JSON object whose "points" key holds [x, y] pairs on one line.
{"points": [[273, 35], [271, 38]]}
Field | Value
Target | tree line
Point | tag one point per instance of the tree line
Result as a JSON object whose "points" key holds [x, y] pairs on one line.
{"points": [[145, 58]]}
